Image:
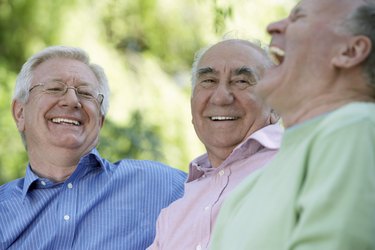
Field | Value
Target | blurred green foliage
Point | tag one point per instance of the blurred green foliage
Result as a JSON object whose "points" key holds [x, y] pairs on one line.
{"points": [[146, 48], [137, 139]]}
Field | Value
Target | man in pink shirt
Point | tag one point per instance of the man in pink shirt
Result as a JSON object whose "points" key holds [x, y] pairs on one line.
{"points": [[239, 134]]}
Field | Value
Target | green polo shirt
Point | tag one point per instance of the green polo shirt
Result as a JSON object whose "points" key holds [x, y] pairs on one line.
{"points": [[318, 193]]}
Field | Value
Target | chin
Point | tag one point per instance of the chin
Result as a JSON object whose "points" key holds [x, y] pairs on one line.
{"points": [[69, 142], [269, 84]]}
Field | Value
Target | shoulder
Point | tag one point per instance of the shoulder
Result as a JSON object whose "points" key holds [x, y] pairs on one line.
{"points": [[354, 113], [352, 120], [147, 168], [11, 190], [156, 177], [343, 139]]}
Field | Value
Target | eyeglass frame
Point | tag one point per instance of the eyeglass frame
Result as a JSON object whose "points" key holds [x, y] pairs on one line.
{"points": [[99, 98]]}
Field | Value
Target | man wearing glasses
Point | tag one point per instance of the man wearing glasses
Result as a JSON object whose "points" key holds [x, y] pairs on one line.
{"points": [[70, 197]]}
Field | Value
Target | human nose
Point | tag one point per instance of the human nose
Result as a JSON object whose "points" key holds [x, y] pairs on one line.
{"points": [[71, 98], [223, 94], [73, 88], [277, 27]]}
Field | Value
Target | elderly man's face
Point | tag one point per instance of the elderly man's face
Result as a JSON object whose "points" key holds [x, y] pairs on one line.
{"points": [[309, 40], [52, 121], [224, 108]]}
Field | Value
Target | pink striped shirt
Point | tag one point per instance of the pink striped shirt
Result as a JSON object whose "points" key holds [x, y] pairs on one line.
{"points": [[188, 222]]}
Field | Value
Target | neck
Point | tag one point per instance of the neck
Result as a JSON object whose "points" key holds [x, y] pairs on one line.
{"points": [[54, 173], [217, 156], [56, 166], [307, 110]]}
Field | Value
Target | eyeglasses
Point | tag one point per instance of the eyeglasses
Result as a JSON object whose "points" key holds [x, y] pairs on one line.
{"points": [[60, 88]]}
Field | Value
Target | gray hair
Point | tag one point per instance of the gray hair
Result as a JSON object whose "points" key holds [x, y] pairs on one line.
{"points": [[362, 22], [200, 53], [25, 77]]}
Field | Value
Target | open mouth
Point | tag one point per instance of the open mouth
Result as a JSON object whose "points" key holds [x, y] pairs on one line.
{"points": [[65, 121], [276, 55], [223, 118]]}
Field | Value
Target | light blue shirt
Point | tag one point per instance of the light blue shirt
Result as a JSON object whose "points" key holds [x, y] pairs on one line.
{"points": [[102, 205]]}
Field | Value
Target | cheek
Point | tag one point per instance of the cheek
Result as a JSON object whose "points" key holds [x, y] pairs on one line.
{"points": [[250, 101], [93, 112], [198, 103], [195, 121], [196, 115], [255, 106], [33, 112]]}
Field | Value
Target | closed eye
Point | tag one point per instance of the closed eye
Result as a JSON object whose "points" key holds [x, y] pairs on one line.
{"points": [[243, 83], [85, 92], [54, 89], [296, 14], [207, 82], [296, 17]]}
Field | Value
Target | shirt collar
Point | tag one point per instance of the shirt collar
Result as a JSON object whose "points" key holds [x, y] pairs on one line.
{"points": [[30, 177], [267, 137], [86, 164]]}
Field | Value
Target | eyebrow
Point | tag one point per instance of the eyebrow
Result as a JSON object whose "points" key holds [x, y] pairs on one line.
{"points": [[296, 11], [245, 71], [239, 71], [76, 82], [205, 70]]}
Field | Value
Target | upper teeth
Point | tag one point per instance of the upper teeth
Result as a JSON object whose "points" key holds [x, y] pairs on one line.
{"points": [[223, 118], [64, 120], [276, 54]]}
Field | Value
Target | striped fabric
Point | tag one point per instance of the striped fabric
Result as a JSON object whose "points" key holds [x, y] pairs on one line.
{"points": [[100, 206]]}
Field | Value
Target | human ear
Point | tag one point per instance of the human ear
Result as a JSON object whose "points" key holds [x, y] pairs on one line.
{"points": [[102, 119], [18, 115], [353, 53]]}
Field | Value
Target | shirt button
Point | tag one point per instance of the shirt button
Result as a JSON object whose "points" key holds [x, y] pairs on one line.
{"points": [[66, 217], [70, 185], [199, 247], [43, 183], [207, 208], [221, 173]]}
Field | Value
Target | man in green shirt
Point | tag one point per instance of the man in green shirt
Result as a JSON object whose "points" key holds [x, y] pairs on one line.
{"points": [[318, 193]]}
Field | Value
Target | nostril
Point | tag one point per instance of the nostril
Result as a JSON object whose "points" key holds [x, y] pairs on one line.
{"points": [[272, 29], [276, 27]]}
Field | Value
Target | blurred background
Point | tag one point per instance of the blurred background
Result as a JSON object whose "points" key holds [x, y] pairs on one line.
{"points": [[146, 48]]}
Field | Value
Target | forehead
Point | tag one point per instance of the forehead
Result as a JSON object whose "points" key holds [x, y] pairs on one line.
{"points": [[232, 54], [330, 8], [64, 69]]}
